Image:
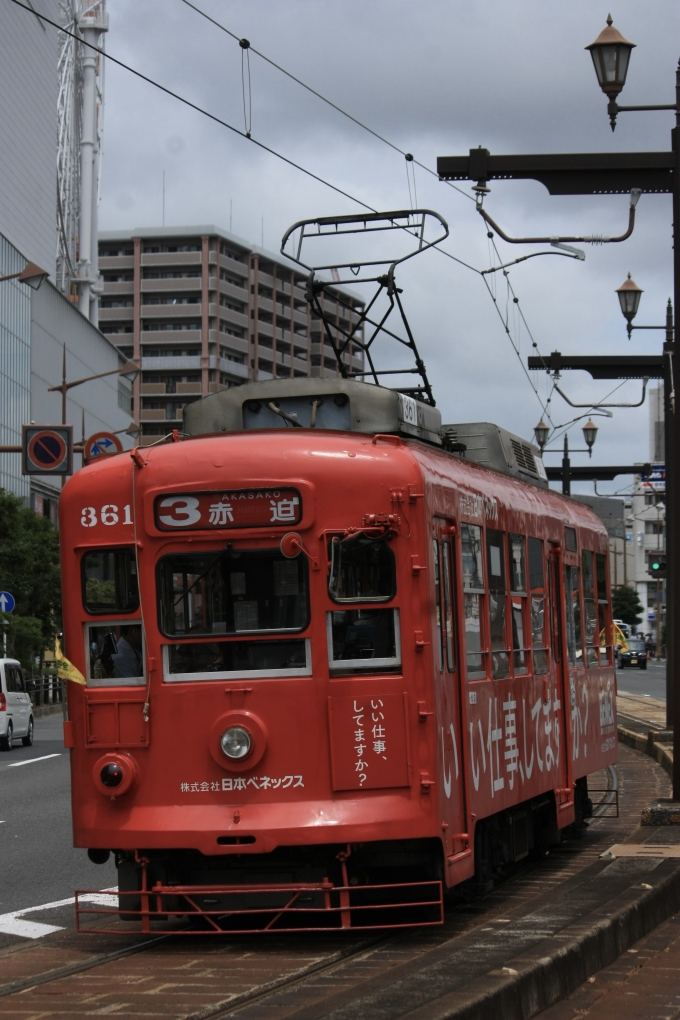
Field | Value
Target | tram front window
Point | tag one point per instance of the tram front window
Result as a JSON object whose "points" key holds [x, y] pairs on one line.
{"points": [[362, 569], [233, 591]]}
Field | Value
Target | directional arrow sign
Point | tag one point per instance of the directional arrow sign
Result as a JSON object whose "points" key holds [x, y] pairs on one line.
{"points": [[6, 602], [102, 444]]}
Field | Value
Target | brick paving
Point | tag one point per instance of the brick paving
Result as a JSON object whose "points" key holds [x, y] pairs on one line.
{"points": [[643, 984], [386, 975]]}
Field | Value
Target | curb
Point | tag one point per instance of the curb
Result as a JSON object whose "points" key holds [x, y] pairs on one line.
{"points": [[648, 745], [40, 711], [545, 975]]}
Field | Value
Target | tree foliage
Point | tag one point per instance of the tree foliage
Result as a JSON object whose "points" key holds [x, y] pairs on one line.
{"points": [[626, 605], [24, 638], [29, 569]]}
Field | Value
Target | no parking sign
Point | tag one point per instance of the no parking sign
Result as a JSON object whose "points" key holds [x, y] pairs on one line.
{"points": [[47, 449]]}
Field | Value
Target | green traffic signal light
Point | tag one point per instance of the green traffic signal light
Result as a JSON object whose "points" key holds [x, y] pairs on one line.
{"points": [[657, 565]]}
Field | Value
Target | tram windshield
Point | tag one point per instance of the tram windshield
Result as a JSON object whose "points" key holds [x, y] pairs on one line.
{"points": [[233, 591], [362, 569]]}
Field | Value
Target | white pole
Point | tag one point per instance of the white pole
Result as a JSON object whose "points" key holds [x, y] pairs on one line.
{"points": [[92, 22]]}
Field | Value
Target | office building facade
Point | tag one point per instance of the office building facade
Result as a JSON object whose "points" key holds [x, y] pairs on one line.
{"points": [[200, 310]]}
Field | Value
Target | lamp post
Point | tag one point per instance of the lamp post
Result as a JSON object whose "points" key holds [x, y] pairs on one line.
{"points": [[31, 274], [590, 430], [128, 369]]}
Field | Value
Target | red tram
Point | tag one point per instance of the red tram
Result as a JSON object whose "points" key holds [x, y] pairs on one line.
{"points": [[331, 671]]}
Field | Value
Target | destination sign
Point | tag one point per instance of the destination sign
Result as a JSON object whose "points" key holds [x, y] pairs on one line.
{"points": [[240, 508]]}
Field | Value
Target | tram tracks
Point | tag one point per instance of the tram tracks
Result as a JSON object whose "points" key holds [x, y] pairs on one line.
{"points": [[179, 978]]}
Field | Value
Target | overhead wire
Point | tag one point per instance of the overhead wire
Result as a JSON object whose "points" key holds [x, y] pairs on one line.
{"points": [[324, 99], [245, 46]]}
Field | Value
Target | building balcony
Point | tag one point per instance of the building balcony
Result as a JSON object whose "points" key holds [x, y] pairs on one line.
{"points": [[231, 290], [171, 311], [188, 387], [233, 368], [116, 262], [122, 287], [232, 266], [185, 283], [154, 389], [233, 318], [170, 258], [160, 414], [174, 364], [116, 314], [168, 337]]}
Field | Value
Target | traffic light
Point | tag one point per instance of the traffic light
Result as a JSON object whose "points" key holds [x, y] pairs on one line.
{"points": [[656, 564]]}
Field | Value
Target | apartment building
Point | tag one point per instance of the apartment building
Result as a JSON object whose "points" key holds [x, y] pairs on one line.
{"points": [[200, 310]]}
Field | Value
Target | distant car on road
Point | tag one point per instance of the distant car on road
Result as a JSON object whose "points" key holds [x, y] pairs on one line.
{"points": [[636, 654], [16, 708]]}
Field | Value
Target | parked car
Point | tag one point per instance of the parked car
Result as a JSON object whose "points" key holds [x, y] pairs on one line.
{"points": [[16, 708], [636, 655]]}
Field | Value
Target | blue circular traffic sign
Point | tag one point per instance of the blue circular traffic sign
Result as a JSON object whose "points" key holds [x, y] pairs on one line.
{"points": [[7, 602]]}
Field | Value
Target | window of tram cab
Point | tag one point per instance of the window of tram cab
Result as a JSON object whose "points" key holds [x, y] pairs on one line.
{"points": [[115, 654], [109, 581], [518, 605], [604, 611], [362, 569], [473, 598], [233, 591], [498, 639], [537, 597], [590, 607]]}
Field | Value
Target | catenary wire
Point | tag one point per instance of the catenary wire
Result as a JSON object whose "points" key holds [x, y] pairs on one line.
{"points": [[285, 159], [323, 99], [223, 123]]}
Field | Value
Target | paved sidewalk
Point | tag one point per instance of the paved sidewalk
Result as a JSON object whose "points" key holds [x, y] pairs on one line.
{"points": [[643, 984]]}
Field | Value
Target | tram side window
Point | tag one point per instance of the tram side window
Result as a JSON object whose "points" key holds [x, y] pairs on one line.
{"points": [[572, 597], [473, 593], [235, 591], [438, 602], [363, 640], [109, 581], [362, 570], [449, 636], [518, 605], [115, 655], [500, 657], [589, 608], [605, 639], [537, 598]]}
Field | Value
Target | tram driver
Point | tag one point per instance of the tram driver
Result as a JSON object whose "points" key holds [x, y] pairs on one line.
{"points": [[127, 659]]}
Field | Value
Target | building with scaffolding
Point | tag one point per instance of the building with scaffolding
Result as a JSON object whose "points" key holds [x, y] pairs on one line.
{"points": [[200, 310]]}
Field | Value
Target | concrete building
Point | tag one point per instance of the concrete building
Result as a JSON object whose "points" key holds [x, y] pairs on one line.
{"points": [[36, 326], [612, 514], [200, 309], [646, 523]]}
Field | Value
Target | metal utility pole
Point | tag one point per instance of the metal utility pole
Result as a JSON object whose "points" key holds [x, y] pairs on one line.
{"points": [[80, 123], [616, 173]]}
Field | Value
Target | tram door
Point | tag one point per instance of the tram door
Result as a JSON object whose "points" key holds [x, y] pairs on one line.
{"points": [[448, 686], [559, 694]]}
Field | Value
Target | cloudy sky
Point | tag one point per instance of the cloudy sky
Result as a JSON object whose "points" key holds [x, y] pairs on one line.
{"points": [[435, 77]]}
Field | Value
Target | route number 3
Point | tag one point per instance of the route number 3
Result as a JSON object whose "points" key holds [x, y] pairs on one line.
{"points": [[108, 514]]}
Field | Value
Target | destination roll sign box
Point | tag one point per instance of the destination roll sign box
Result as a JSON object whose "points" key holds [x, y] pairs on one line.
{"points": [[243, 508]]}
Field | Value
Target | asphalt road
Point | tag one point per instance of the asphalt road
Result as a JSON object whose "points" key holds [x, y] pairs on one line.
{"points": [[651, 681], [38, 863]]}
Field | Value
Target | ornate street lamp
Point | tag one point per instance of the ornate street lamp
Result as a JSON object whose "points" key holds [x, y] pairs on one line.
{"points": [[590, 435], [611, 53], [541, 432], [629, 299]]}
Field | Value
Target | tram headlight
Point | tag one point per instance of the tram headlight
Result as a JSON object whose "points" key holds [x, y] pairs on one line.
{"points": [[236, 742], [111, 775]]}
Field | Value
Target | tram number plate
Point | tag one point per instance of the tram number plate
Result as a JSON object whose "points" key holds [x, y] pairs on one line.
{"points": [[234, 508]]}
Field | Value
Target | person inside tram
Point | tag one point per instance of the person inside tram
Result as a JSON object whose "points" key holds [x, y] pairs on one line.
{"points": [[127, 660]]}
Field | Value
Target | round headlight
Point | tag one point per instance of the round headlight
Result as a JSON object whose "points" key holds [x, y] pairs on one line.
{"points": [[111, 775], [236, 742]]}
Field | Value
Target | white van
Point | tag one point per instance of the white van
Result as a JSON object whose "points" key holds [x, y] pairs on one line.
{"points": [[16, 708]]}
